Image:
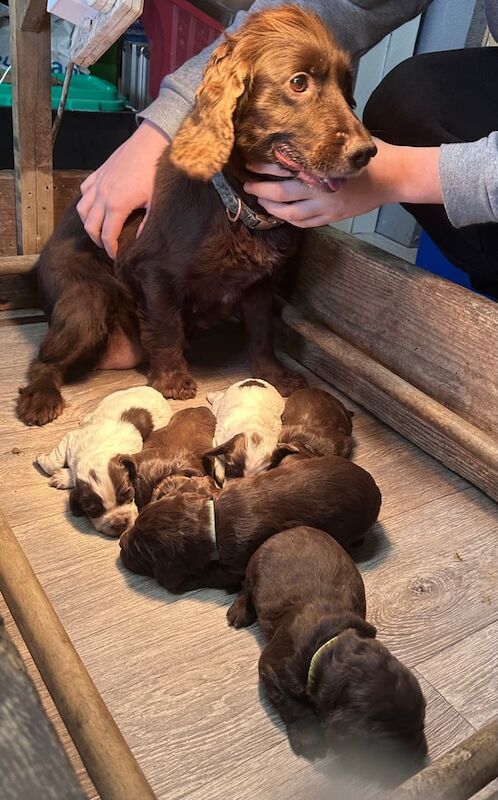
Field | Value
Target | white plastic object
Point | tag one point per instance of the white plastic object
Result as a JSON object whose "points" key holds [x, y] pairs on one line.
{"points": [[79, 12], [113, 18]]}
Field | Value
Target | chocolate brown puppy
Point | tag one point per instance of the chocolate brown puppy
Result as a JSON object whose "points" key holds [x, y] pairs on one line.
{"points": [[328, 676], [176, 449], [194, 539], [315, 423], [277, 91]]}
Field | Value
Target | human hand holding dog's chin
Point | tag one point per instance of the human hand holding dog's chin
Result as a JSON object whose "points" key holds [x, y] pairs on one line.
{"points": [[122, 184], [395, 175]]}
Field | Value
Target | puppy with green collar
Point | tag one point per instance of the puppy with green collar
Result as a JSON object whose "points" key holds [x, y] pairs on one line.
{"points": [[330, 679]]}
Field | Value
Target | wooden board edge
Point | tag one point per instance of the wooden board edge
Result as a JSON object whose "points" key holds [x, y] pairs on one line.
{"points": [[458, 444]]}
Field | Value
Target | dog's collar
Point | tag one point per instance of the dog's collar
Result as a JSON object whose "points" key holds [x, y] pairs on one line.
{"points": [[314, 661], [238, 210], [212, 529]]}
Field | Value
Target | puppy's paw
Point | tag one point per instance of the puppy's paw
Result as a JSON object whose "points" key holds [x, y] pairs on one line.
{"points": [[45, 463], [61, 479], [39, 406], [307, 740], [241, 613], [284, 381], [176, 385]]}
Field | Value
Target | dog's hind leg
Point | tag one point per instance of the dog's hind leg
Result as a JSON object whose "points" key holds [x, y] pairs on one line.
{"points": [[62, 479], [77, 336], [241, 613], [56, 459]]}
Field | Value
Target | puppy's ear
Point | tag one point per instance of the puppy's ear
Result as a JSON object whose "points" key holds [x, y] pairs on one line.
{"points": [[221, 452], [205, 140], [365, 629], [74, 501], [214, 399], [282, 450], [130, 465]]}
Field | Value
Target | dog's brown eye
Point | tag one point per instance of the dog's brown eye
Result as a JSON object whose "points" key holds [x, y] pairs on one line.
{"points": [[299, 83]]}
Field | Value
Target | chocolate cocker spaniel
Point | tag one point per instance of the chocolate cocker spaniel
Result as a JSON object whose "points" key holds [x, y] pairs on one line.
{"points": [[277, 91]]}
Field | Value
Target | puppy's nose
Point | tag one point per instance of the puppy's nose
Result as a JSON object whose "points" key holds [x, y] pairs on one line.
{"points": [[119, 527], [360, 155]]}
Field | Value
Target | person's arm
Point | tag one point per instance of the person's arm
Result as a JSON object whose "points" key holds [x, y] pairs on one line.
{"points": [[125, 181], [462, 176], [395, 175], [469, 180]]}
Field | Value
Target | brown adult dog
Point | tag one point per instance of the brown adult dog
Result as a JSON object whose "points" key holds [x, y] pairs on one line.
{"points": [[176, 449], [315, 423], [323, 669], [279, 90], [184, 542]]}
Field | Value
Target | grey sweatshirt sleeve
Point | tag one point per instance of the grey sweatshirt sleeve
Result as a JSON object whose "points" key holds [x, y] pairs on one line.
{"points": [[469, 181], [357, 25]]}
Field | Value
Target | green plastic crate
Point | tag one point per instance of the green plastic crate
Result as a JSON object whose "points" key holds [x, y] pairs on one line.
{"points": [[86, 93]]}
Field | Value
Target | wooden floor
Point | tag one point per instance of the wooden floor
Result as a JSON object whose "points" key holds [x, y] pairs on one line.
{"points": [[182, 686]]}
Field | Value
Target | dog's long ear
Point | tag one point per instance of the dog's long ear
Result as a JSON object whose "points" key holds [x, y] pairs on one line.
{"points": [[214, 399], [203, 144], [129, 464], [282, 450], [209, 458], [74, 501]]}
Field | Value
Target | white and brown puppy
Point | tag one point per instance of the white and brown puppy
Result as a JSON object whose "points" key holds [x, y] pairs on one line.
{"points": [[87, 459], [315, 423], [248, 426]]}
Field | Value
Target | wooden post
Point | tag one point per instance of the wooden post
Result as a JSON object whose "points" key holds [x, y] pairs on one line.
{"points": [[32, 124], [458, 774], [34, 15], [101, 745]]}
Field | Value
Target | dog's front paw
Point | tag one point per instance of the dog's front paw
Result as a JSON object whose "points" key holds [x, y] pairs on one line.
{"points": [[241, 614], [307, 740], [45, 463], [176, 385], [61, 479], [284, 381], [39, 406]]}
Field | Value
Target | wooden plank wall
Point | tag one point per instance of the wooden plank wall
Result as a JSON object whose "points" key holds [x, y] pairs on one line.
{"points": [[440, 337], [66, 184], [419, 352], [32, 124]]}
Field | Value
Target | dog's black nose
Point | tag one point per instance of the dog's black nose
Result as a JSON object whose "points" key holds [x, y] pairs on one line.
{"points": [[119, 527], [360, 156]]}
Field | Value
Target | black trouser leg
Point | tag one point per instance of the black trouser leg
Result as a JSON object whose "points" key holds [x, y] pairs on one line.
{"points": [[439, 98]]}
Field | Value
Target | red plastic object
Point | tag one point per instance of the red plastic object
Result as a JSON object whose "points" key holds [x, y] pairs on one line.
{"points": [[176, 31]]}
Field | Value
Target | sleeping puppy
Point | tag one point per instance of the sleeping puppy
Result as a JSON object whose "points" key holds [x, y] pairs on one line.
{"points": [[330, 679], [200, 539], [176, 449], [316, 424], [248, 425], [87, 460]]}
